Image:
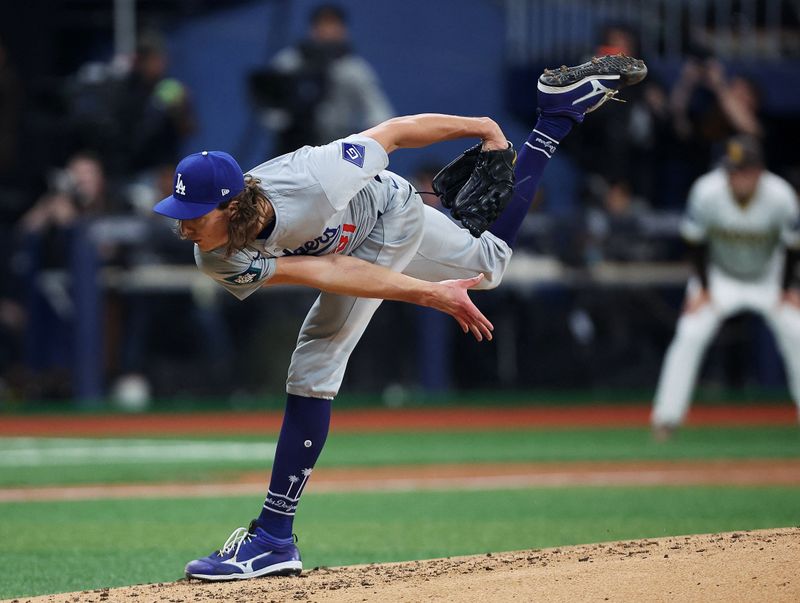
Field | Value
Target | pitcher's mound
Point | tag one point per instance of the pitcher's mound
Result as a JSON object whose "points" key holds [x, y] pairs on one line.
{"points": [[738, 566]]}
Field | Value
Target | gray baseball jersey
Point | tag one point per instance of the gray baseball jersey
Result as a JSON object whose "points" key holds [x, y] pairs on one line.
{"points": [[338, 198], [743, 241], [326, 200]]}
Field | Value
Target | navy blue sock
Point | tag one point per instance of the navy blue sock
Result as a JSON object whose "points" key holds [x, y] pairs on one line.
{"points": [[531, 161], [303, 434]]}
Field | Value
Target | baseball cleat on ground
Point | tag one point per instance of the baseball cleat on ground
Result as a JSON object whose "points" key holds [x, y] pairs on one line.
{"points": [[248, 553]]}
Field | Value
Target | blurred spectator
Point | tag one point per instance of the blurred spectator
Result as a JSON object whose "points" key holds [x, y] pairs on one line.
{"points": [[136, 119], [319, 90], [79, 195], [629, 142], [46, 233], [154, 110], [615, 229], [708, 107], [77, 190]]}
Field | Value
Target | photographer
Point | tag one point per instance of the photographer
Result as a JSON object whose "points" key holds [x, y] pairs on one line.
{"points": [[319, 90], [708, 106], [78, 189], [44, 239]]}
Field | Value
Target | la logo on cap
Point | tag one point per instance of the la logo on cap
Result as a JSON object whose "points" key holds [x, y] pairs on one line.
{"points": [[180, 187]]}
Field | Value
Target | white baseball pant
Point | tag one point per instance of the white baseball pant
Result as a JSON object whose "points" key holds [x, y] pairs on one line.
{"points": [[695, 331]]}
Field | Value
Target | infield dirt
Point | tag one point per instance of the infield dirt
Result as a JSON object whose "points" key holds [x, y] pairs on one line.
{"points": [[740, 566]]}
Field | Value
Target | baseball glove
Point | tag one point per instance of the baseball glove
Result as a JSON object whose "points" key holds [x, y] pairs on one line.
{"points": [[476, 186]]}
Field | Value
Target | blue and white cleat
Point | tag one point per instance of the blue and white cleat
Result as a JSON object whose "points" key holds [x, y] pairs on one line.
{"points": [[575, 91], [248, 553]]}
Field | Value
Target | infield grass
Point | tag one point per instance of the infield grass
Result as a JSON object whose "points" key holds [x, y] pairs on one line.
{"points": [[201, 461], [50, 547], [65, 546]]}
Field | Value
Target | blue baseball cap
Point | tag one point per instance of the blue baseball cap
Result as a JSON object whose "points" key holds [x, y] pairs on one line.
{"points": [[202, 181]]}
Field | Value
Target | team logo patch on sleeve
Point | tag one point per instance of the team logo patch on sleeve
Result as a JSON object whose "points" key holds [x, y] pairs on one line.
{"points": [[245, 278], [354, 153]]}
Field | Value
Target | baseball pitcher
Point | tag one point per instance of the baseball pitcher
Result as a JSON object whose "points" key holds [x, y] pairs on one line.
{"points": [[334, 218]]}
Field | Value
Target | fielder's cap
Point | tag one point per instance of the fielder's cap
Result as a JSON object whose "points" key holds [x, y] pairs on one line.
{"points": [[202, 181], [742, 151]]}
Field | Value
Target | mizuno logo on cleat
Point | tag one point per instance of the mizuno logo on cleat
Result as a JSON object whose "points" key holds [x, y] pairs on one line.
{"points": [[246, 566], [597, 88]]}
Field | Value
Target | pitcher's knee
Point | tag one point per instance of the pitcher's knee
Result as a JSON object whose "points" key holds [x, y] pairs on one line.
{"points": [[496, 256]]}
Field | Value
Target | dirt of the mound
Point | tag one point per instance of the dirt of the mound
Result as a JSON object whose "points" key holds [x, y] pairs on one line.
{"points": [[742, 566]]}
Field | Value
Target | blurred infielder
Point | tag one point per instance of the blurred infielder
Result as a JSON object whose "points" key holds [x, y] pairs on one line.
{"points": [[743, 231], [333, 218]]}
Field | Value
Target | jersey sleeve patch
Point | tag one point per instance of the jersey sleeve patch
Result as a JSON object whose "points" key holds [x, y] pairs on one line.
{"points": [[340, 183], [241, 274], [354, 153], [245, 278]]}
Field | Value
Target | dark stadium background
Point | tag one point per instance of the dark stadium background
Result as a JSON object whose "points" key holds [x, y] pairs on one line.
{"points": [[588, 314]]}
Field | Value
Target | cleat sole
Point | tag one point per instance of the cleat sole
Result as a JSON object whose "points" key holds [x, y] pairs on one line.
{"points": [[287, 568], [629, 70]]}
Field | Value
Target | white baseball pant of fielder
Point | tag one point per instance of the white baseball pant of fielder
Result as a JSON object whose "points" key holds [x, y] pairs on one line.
{"points": [[697, 329]]}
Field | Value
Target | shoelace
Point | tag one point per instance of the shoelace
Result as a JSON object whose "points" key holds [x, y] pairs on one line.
{"points": [[610, 95], [234, 541]]}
